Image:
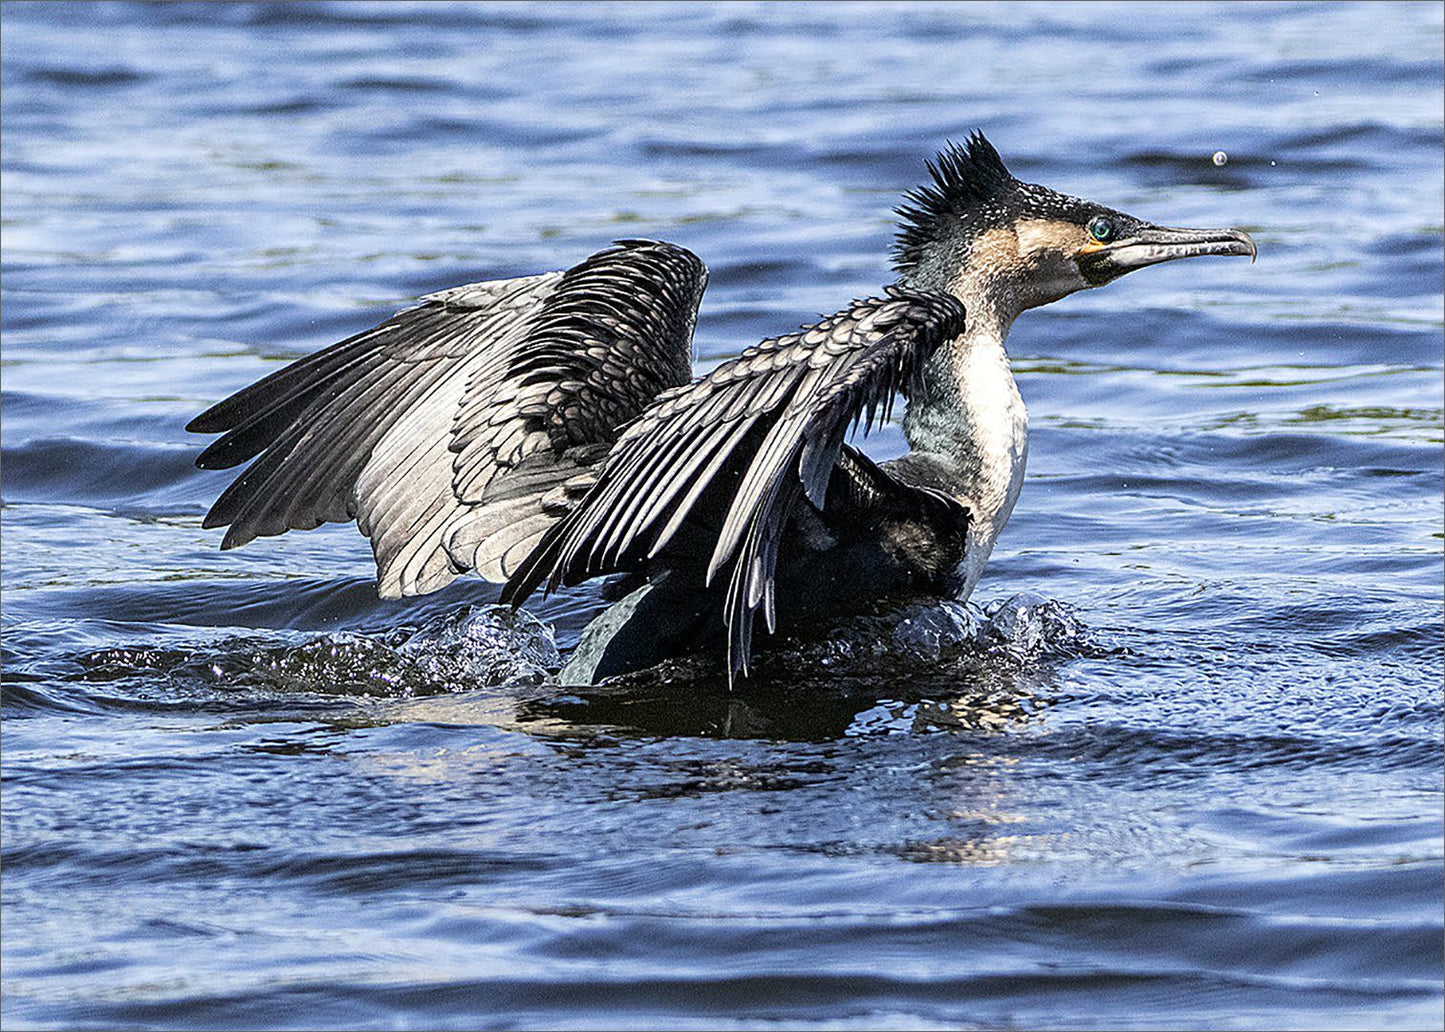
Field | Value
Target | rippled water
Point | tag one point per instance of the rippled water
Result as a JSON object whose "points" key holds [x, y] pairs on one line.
{"points": [[1180, 767]]}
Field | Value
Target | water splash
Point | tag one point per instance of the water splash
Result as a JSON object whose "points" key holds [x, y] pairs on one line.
{"points": [[480, 646], [491, 647], [471, 648], [925, 630], [1030, 625], [1024, 626]]}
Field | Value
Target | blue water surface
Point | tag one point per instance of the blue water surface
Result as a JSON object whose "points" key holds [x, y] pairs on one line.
{"points": [[1182, 767]]}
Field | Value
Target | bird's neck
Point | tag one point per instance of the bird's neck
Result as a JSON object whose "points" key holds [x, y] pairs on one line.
{"points": [[969, 426], [968, 411]]}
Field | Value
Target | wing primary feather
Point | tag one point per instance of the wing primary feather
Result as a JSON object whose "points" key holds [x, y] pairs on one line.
{"points": [[615, 535]]}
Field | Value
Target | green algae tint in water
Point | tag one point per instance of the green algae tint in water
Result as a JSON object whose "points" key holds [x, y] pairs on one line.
{"points": [[1181, 768]]}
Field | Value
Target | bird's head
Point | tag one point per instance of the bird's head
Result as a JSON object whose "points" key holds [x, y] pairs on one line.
{"points": [[1004, 246]]}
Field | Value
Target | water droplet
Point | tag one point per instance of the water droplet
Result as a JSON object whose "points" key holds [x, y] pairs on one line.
{"points": [[1221, 158]]}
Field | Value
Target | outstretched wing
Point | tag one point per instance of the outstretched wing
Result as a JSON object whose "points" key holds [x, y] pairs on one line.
{"points": [[457, 431], [766, 426]]}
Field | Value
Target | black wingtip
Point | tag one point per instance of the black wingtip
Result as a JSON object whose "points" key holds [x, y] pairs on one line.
{"points": [[532, 570], [208, 459], [208, 422]]}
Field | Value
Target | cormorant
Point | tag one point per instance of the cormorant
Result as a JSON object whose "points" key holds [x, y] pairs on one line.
{"points": [[547, 429]]}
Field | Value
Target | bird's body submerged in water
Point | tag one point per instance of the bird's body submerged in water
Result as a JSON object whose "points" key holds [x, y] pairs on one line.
{"points": [[546, 430]]}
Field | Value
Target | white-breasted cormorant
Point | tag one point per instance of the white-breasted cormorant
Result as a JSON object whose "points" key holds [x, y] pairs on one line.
{"points": [[546, 429]]}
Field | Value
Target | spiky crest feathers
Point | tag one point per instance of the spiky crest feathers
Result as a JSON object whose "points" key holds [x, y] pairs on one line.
{"points": [[966, 177]]}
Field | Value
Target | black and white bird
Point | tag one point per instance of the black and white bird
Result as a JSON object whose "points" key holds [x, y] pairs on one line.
{"points": [[547, 430]]}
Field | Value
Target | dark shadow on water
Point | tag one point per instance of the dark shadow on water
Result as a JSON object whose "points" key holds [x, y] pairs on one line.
{"points": [[808, 692]]}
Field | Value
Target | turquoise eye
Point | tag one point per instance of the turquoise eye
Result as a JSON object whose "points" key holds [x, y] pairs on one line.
{"points": [[1101, 228]]}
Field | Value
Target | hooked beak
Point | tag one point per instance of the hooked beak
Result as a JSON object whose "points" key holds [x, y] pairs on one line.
{"points": [[1151, 245]]}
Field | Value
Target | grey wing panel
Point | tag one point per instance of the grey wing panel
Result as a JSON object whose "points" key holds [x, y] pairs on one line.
{"points": [[769, 425], [313, 426]]}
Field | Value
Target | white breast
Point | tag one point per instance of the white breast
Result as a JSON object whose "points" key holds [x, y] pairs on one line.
{"points": [[973, 418], [998, 443]]}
